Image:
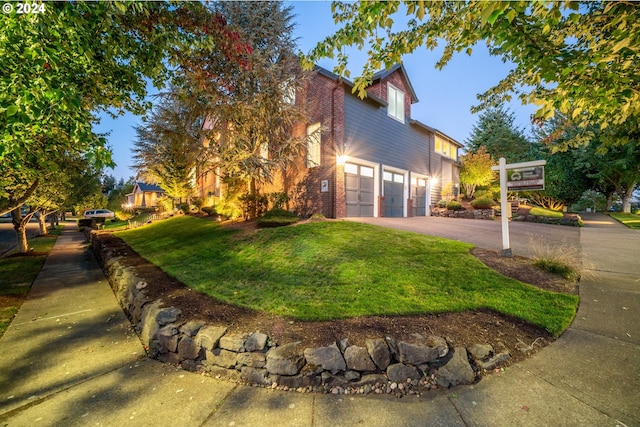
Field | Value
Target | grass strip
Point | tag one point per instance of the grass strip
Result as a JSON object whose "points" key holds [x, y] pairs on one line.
{"points": [[630, 220], [335, 270]]}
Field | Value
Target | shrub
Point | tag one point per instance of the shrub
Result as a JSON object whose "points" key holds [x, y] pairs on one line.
{"points": [[563, 260], [454, 206], [484, 203], [210, 210], [442, 203], [317, 217], [197, 202], [278, 200], [277, 218], [184, 207]]}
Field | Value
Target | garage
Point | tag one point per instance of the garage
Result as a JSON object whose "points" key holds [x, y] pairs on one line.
{"points": [[393, 194], [359, 186], [419, 196]]}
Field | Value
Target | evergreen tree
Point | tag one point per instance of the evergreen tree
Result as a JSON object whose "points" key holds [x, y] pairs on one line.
{"points": [[497, 132], [252, 106]]}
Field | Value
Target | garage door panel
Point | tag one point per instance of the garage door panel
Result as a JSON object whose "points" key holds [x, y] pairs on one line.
{"points": [[359, 190]]}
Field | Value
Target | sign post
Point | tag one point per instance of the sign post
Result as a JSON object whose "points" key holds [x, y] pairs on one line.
{"points": [[524, 176]]}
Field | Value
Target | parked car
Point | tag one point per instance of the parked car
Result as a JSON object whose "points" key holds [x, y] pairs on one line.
{"points": [[98, 213]]}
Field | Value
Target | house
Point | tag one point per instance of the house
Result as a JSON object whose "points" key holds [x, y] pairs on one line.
{"points": [[144, 195], [365, 157]]}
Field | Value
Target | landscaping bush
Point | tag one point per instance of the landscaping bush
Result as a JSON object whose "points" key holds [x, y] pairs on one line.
{"points": [[277, 218], [210, 210], [484, 203], [454, 206], [442, 203], [184, 207]]}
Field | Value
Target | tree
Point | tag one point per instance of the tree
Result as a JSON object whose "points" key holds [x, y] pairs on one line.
{"points": [[576, 58], [252, 108], [566, 173], [495, 130], [73, 59], [169, 145], [476, 170], [616, 169]]}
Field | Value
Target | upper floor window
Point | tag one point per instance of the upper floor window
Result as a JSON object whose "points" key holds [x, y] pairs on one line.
{"points": [[446, 148], [313, 145], [288, 92], [395, 99]]}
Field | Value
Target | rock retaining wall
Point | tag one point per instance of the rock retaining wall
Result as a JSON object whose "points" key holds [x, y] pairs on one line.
{"points": [[463, 213], [383, 365]]}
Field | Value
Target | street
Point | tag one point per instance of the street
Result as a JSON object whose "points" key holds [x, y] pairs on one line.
{"points": [[8, 235]]}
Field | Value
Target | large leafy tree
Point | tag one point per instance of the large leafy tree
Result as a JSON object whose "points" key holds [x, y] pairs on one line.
{"points": [[252, 108], [496, 132], [73, 59], [475, 170], [576, 58], [169, 145]]}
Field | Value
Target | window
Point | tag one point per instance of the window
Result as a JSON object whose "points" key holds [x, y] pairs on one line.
{"points": [[289, 92], [395, 99], [446, 148], [314, 139]]}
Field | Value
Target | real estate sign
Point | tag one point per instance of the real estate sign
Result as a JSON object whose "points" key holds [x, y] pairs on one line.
{"points": [[525, 179]]}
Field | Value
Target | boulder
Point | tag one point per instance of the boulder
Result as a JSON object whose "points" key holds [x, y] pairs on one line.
{"points": [[456, 371], [285, 360], [422, 350], [209, 336], [256, 342], [330, 358], [379, 352], [357, 359], [399, 372]]}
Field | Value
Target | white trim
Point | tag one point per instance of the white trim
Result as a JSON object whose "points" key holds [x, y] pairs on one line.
{"points": [[401, 119]]}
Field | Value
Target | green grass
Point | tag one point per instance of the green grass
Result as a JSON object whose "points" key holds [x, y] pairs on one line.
{"points": [[538, 211], [630, 220], [335, 270], [17, 273]]}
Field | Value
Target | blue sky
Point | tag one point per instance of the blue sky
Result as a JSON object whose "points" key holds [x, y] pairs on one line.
{"points": [[445, 97]]}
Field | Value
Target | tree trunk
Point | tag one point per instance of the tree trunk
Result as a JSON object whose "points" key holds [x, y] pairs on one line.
{"points": [[42, 223], [253, 207], [626, 199], [20, 226]]}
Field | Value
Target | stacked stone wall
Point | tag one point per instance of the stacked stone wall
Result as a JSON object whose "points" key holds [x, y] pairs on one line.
{"points": [[383, 365]]}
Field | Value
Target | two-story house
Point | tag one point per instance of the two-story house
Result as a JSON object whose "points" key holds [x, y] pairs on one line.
{"points": [[364, 157], [371, 158]]}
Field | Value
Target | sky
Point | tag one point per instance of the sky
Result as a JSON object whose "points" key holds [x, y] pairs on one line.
{"points": [[445, 96]]}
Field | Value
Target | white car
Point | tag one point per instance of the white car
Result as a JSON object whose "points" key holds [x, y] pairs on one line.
{"points": [[98, 213]]}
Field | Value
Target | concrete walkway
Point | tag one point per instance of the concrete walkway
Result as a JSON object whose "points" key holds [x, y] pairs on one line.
{"points": [[70, 358]]}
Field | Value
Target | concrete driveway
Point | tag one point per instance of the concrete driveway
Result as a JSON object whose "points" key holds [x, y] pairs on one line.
{"points": [[485, 234]]}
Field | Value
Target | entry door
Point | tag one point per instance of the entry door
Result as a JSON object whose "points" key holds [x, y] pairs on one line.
{"points": [[419, 195], [393, 194], [359, 185]]}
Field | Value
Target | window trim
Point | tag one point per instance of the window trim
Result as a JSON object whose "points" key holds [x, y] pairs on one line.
{"points": [[392, 104], [314, 145]]}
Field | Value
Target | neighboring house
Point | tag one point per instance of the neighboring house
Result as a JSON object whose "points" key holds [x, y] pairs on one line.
{"points": [[365, 157], [144, 195]]}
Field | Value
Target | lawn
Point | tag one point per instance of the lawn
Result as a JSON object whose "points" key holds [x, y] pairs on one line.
{"points": [[630, 220], [333, 270], [538, 211], [17, 273]]}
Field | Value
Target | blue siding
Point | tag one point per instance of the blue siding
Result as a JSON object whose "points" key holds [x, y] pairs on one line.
{"points": [[370, 134]]}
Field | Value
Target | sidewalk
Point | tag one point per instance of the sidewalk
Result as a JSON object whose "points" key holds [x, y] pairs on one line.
{"points": [[70, 358]]}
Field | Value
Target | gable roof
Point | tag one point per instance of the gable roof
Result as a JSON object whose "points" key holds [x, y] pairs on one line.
{"points": [[383, 74], [435, 131], [143, 186], [370, 97]]}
